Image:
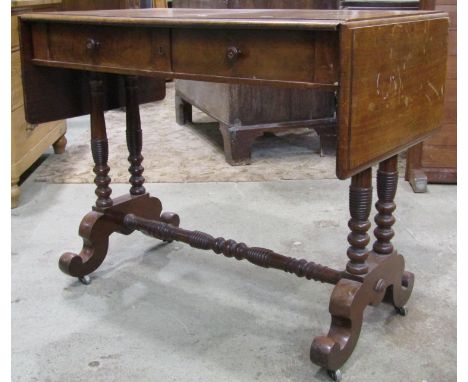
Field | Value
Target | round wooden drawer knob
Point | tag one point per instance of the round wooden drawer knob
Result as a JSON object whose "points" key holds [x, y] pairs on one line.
{"points": [[92, 44], [233, 53]]}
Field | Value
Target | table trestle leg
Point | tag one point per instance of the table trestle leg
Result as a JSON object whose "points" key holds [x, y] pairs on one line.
{"points": [[134, 136], [371, 275], [387, 182], [360, 204], [99, 144]]}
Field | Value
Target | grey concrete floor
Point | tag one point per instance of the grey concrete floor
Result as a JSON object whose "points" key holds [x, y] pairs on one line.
{"points": [[168, 312]]}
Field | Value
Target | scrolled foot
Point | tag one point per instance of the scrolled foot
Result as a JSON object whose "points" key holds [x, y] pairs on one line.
{"points": [[335, 375], [349, 299], [95, 229], [97, 226], [399, 293], [347, 303]]}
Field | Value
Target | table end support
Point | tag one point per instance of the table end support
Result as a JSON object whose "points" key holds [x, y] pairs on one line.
{"points": [[387, 280], [372, 276], [99, 224]]}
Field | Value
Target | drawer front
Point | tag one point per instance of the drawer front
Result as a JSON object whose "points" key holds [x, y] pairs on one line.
{"points": [[302, 56], [16, 84], [103, 46]]}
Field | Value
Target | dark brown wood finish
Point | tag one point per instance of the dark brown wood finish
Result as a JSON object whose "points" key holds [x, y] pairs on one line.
{"points": [[412, 76], [360, 203], [134, 137], [371, 276], [360, 4], [254, 54], [386, 279], [99, 224], [397, 85], [257, 4], [259, 256], [99, 144], [388, 4], [387, 182]]}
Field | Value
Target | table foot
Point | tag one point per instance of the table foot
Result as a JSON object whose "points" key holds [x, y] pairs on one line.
{"points": [[98, 225], [352, 294]]}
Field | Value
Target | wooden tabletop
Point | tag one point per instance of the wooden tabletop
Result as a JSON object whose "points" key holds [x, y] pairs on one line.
{"points": [[241, 18]]}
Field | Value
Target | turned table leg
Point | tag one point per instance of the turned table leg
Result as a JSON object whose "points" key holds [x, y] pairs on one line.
{"points": [[134, 136], [360, 204], [99, 144], [135, 145], [387, 181], [371, 275], [108, 214]]}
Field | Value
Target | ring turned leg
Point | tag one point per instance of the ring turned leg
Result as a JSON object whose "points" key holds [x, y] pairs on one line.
{"points": [[360, 204], [134, 137], [99, 144], [370, 276], [108, 214], [387, 182], [346, 307], [135, 144], [94, 228]]}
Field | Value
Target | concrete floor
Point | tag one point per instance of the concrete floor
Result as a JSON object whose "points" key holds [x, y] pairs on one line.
{"points": [[167, 312]]}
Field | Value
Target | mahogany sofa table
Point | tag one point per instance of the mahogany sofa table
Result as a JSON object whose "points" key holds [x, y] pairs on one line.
{"points": [[387, 67]]}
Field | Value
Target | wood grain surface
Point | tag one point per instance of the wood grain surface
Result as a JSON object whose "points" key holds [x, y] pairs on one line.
{"points": [[395, 84], [389, 66]]}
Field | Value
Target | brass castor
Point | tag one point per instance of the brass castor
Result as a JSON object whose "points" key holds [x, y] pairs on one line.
{"points": [[86, 280], [335, 375], [403, 311]]}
